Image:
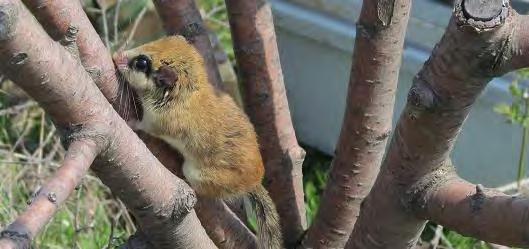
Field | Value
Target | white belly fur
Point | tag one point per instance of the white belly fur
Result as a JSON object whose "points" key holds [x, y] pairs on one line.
{"points": [[190, 169]]}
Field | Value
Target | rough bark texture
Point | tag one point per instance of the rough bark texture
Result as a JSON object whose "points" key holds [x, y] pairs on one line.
{"points": [[183, 17], [416, 169], [266, 103], [367, 121], [482, 213], [160, 201]]}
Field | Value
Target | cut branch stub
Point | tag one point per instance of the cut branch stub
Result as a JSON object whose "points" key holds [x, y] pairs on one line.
{"points": [[487, 16], [482, 10]]}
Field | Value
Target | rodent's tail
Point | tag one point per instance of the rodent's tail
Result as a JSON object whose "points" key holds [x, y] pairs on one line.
{"points": [[269, 231]]}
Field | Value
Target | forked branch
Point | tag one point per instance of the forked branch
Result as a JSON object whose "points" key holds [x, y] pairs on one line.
{"points": [[482, 41]]}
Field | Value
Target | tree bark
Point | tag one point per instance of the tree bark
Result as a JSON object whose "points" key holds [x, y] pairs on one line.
{"points": [[57, 17], [161, 202], [478, 212], [480, 43], [367, 121], [266, 103]]}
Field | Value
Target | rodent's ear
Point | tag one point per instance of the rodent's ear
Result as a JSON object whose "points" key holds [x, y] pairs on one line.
{"points": [[165, 76]]}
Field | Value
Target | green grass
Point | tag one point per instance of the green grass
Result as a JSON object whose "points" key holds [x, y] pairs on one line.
{"points": [[84, 222], [315, 169], [30, 153]]}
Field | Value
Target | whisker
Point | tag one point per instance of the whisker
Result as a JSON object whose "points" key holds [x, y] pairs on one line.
{"points": [[135, 106], [126, 100], [121, 85]]}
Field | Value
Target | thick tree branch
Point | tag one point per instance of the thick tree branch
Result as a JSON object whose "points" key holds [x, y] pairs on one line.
{"points": [[183, 17], [159, 200], [77, 161], [476, 47], [367, 121], [266, 103], [482, 213]]}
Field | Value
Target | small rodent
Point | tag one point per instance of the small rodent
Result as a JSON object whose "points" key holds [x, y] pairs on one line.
{"points": [[216, 138]]}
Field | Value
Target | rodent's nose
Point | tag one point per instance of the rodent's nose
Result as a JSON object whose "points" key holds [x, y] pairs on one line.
{"points": [[119, 59]]}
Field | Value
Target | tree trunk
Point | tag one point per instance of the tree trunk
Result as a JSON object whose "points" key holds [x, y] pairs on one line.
{"points": [[266, 103], [367, 121]]}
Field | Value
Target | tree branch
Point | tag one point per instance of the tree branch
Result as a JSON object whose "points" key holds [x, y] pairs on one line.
{"points": [[227, 231], [57, 17], [77, 161], [183, 17], [266, 103], [367, 121], [476, 47], [160, 201], [482, 213]]}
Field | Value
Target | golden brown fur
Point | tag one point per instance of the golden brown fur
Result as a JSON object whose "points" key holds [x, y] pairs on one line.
{"points": [[219, 144]]}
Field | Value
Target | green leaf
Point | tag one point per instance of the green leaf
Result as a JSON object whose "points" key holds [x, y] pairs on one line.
{"points": [[523, 73], [515, 90], [503, 109]]}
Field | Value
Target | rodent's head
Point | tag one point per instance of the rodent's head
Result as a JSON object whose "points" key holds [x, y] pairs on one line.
{"points": [[165, 70]]}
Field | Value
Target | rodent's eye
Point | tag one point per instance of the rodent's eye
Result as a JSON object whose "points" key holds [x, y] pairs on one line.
{"points": [[141, 63]]}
